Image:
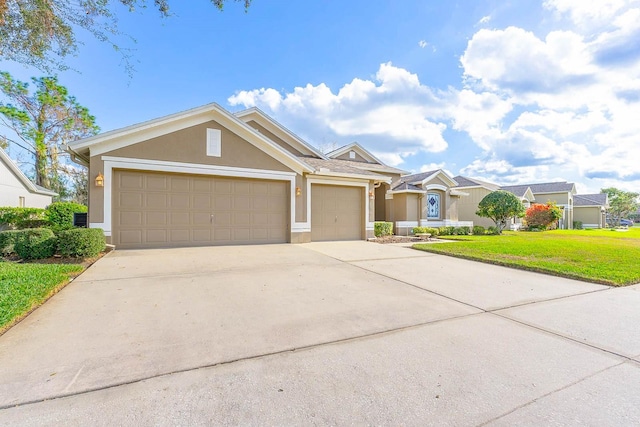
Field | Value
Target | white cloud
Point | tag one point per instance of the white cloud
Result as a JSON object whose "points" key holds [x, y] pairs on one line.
{"points": [[423, 44], [431, 166], [395, 113], [484, 20], [588, 12]]}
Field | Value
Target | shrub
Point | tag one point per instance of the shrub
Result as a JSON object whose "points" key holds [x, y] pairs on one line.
{"points": [[382, 228], [479, 230], [81, 242], [446, 231], [493, 230], [35, 243], [60, 214], [577, 225], [8, 239], [427, 230], [461, 231], [12, 218], [542, 216]]}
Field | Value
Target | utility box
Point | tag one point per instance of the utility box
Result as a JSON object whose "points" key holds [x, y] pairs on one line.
{"points": [[80, 220]]}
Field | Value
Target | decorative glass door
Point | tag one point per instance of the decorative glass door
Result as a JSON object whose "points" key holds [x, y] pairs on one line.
{"points": [[433, 206]]}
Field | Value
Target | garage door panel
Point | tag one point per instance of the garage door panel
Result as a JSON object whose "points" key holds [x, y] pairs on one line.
{"points": [[156, 218], [164, 209], [336, 212], [156, 201]]}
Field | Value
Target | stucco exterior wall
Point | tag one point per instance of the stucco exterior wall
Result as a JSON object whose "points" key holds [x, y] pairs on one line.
{"points": [[468, 205], [590, 216], [273, 137], [357, 158], [187, 146]]}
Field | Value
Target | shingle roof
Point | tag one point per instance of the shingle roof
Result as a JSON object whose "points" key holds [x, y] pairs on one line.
{"points": [[339, 166], [551, 187], [405, 186], [418, 177], [518, 190], [590, 199], [464, 181]]}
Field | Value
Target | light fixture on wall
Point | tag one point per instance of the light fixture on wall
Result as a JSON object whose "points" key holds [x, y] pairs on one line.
{"points": [[99, 180], [298, 191], [371, 194]]}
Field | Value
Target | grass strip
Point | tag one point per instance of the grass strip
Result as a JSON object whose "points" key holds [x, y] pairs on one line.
{"points": [[25, 286]]}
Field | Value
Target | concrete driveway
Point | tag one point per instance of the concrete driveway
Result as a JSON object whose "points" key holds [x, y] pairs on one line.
{"points": [[324, 333]]}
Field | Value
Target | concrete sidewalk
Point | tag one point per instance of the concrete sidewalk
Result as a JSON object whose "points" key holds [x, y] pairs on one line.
{"points": [[324, 333]]}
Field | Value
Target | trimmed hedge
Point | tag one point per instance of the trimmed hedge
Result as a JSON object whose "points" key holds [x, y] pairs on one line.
{"points": [[60, 214], [428, 230], [462, 231], [381, 228], [36, 243], [446, 231], [479, 230], [12, 218], [493, 231], [8, 239], [81, 242]]}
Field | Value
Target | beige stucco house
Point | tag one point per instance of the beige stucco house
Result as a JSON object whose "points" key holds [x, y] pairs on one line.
{"points": [[561, 193], [16, 190], [590, 210], [210, 177], [477, 190]]}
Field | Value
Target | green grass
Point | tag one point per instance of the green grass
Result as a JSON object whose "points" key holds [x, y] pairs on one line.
{"points": [[25, 286], [600, 256]]}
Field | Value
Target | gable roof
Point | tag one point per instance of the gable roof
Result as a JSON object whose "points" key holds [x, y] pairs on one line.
{"points": [[133, 134], [599, 199], [553, 187], [464, 181], [422, 177], [341, 168], [28, 185], [406, 187], [354, 146], [260, 117]]}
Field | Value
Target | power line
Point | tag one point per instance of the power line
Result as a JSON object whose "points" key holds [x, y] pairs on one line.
{"points": [[19, 145]]}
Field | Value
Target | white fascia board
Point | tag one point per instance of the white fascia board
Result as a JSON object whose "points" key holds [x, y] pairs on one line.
{"points": [[458, 193], [357, 148], [406, 191], [271, 124], [446, 176], [26, 182], [113, 140]]}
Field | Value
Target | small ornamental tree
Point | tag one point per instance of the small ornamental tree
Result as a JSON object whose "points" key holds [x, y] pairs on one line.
{"points": [[499, 206], [541, 216]]}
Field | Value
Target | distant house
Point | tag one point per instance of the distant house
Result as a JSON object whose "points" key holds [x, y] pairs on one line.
{"points": [[590, 209], [561, 193], [477, 190], [16, 190]]}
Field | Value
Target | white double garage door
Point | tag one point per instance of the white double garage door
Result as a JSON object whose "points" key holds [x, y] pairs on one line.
{"points": [[152, 209]]}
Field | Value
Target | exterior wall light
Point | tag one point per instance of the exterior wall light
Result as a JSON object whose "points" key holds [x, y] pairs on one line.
{"points": [[99, 180], [371, 194], [298, 191]]}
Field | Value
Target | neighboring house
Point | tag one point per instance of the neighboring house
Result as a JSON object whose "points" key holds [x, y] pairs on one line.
{"points": [[590, 209], [428, 199], [209, 177], [477, 190], [16, 190], [559, 192]]}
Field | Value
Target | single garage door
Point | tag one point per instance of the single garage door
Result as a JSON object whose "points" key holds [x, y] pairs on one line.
{"points": [[164, 210], [336, 212]]}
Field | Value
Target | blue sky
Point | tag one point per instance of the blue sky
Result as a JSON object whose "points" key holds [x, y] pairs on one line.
{"points": [[507, 91]]}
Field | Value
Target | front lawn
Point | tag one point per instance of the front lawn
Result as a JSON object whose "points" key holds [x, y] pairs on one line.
{"points": [[600, 256], [25, 286]]}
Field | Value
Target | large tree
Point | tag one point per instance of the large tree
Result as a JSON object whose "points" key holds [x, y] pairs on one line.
{"points": [[621, 204], [500, 206], [45, 120], [41, 33]]}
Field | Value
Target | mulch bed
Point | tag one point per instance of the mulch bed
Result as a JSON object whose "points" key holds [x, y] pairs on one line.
{"points": [[397, 239]]}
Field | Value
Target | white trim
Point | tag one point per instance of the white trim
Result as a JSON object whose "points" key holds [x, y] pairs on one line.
{"points": [[313, 180], [354, 146], [451, 181], [271, 122], [111, 163], [445, 223], [406, 191], [435, 187], [404, 224], [458, 193], [26, 182], [120, 138]]}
